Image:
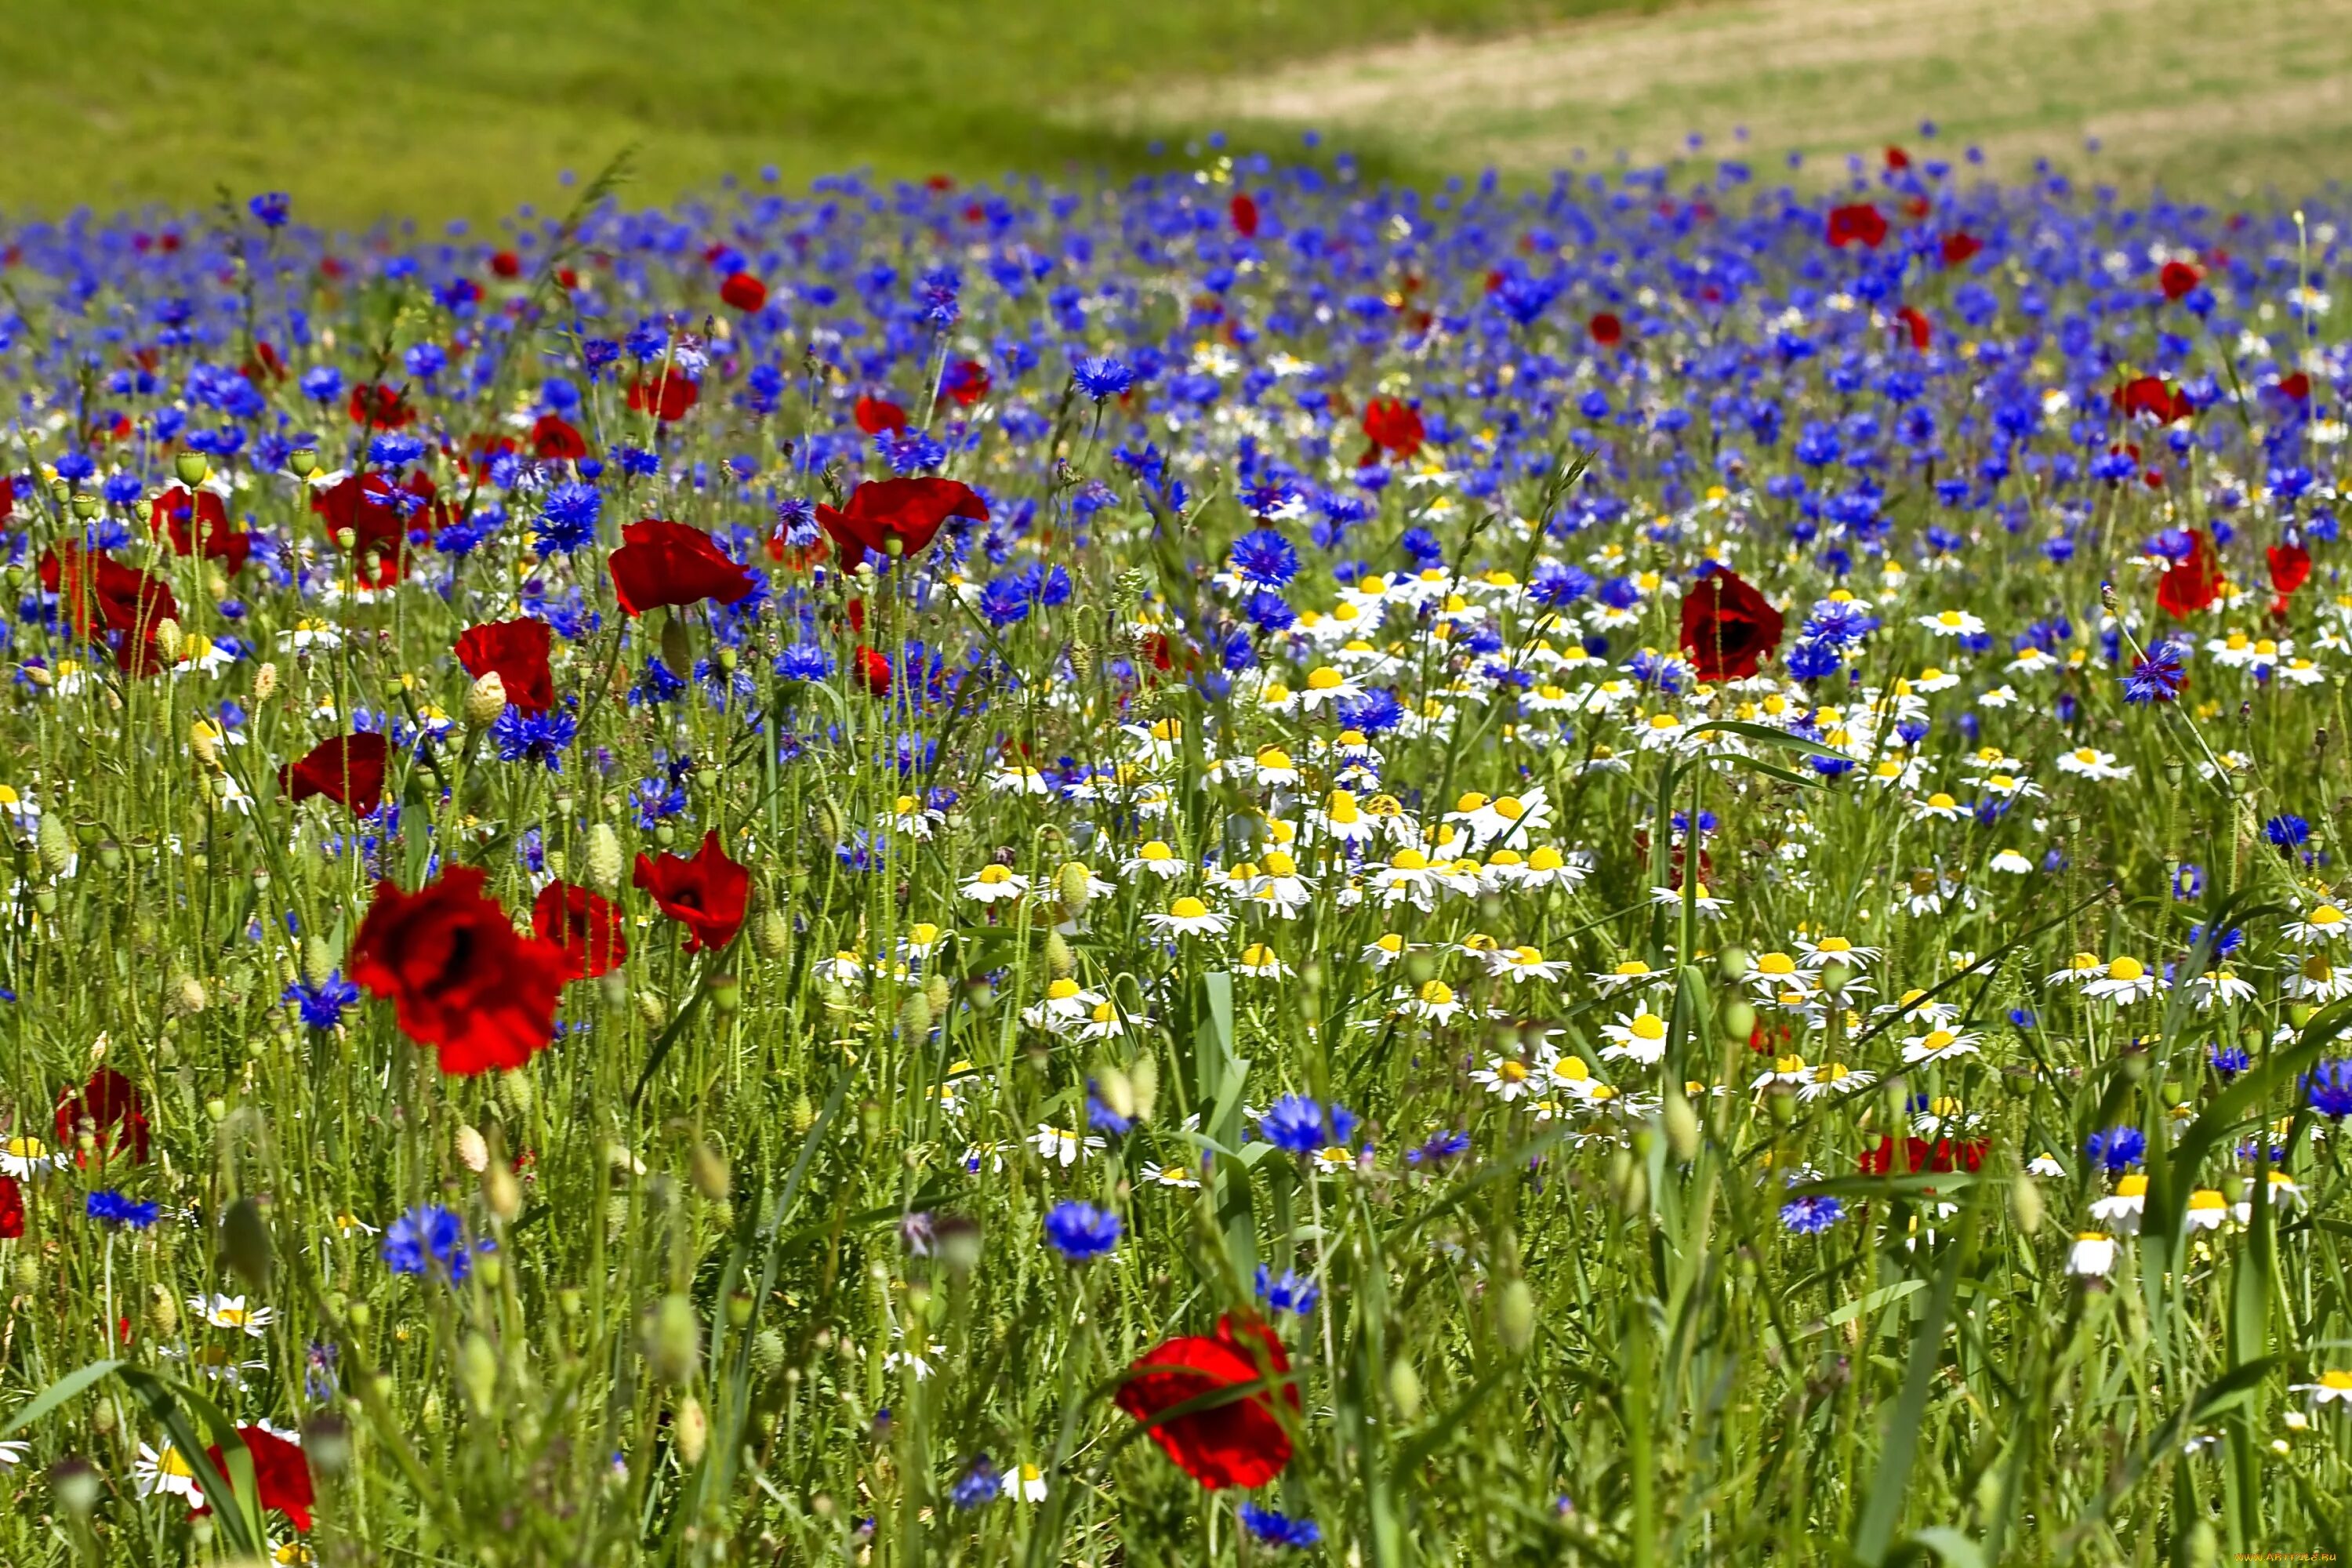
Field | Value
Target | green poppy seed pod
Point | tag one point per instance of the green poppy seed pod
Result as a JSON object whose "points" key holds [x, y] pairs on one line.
{"points": [[1836, 977], [605, 857], [768, 1352], [57, 851], [677, 650], [1060, 963], [30, 1274], [771, 934], [1117, 1091], [193, 468], [691, 1428], [162, 1311], [245, 1242], [477, 1372], [1734, 963], [85, 505], [486, 699], [303, 462], [103, 1416], [1515, 1316], [501, 1192], [673, 1341], [1682, 1127], [187, 993], [110, 855], [939, 994], [345, 537], [1143, 1076], [2025, 1202], [726, 992], [1404, 1389], [1075, 884], [1781, 1104], [915, 1016], [1737, 1017], [740, 1305], [168, 641], [707, 1170]]}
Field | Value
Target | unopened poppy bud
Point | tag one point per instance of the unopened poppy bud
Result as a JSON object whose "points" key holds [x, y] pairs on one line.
{"points": [[915, 1016], [486, 699], [1405, 1390], [477, 1372], [677, 651], [473, 1150], [245, 1242], [514, 1088], [708, 1168], [825, 821], [1515, 1316], [2025, 1202], [57, 851], [768, 1350], [1737, 1017], [604, 860], [1075, 884], [1143, 1076], [1682, 1127], [771, 934], [1836, 976], [1060, 963], [162, 1310], [193, 468], [168, 641], [317, 963], [673, 1341], [265, 682], [200, 741], [803, 1114], [1117, 1091], [650, 1009], [1735, 964], [939, 994], [691, 1428], [502, 1190], [187, 995]]}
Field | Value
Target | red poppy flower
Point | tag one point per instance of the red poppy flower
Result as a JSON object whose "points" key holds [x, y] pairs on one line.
{"points": [[364, 504], [2294, 386], [205, 516], [11, 1209], [2177, 278], [1857, 223], [1392, 425], [744, 292], [555, 439], [106, 602], [518, 651], [1240, 1443], [263, 363], [348, 770], [876, 415], [2147, 395], [2193, 582], [7, 497], [967, 381], [1243, 210], [1606, 330], [506, 264], [457, 976], [664, 563], [873, 671], [909, 511], [706, 894], [2289, 566], [111, 1106], [1915, 322], [670, 396], [1959, 247], [1896, 158], [281, 1474], [583, 924], [1728, 628], [380, 407]]}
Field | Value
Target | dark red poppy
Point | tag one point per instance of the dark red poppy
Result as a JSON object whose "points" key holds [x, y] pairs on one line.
{"points": [[263, 364], [2177, 278], [2148, 395], [380, 407], [518, 651], [11, 1209], [910, 511], [583, 924], [365, 505], [1915, 322], [1392, 425], [1858, 223], [876, 415], [205, 516], [7, 497], [2294, 386], [1239, 1443], [506, 264], [109, 602], [2193, 582], [744, 292], [1896, 158], [1957, 247], [348, 770], [1728, 628], [1606, 329], [110, 1108], [671, 396], [1243, 210], [457, 976], [2289, 566], [281, 1474], [555, 439], [664, 563], [967, 381], [873, 671], [706, 894]]}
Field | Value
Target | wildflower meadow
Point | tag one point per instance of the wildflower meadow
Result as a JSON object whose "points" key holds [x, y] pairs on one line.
{"points": [[1232, 867]]}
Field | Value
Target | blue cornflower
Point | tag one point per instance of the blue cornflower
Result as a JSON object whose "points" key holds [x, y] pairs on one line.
{"points": [[318, 1358], [979, 1483], [1289, 1293], [1102, 377], [1556, 587], [1438, 1148], [523, 737], [2329, 1087], [113, 1208], [1376, 713], [393, 451], [272, 207], [567, 519], [324, 383], [429, 1240], [796, 522], [2229, 1060], [322, 1005], [1263, 558], [803, 661], [2287, 831], [1005, 601], [2118, 1148], [1811, 1216], [1081, 1232], [1297, 1125], [2157, 675], [1103, 1119], [2188, 883], [1269, 611], [1279, 1528]]}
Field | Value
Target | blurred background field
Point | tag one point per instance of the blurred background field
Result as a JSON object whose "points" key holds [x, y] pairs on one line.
{"points": [[468, 108]]}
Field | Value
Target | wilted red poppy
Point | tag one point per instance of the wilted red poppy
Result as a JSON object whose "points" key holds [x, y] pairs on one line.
{"points": [[2193, 582], [11, 1209], [457, 976], [2179, 278], [670, 396], [380, 407], [348, 770], [1858, 223], [1728, 628], [1606, 329], [1915, 322], [1239, 1443], [910, 511], [706, 894], [967, 381], [1959, 247], [1243, 210], [263, 364], [281, 1475], [2289, 566], [664, 563], [506, 264], [583, 924], [205, 516], [1392, 425], [518, 651], [744, 292], [105, 601], [2148, 394], [555, 439], [109, 1107], [876, 415]]}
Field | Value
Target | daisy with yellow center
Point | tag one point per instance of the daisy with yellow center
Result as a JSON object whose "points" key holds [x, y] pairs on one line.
{"points": [[995, 884], [1637, 1036], [2126, 981], [1505, 1078], [2323, 925], [1188, 917]]}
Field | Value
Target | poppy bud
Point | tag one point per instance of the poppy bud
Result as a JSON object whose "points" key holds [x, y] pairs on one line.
{"points": [[473, 1150], [501, 1190], [650, 1009], [162, 1311], [514, 1088], [1117, 1091], [168, 641], [1405, 1390], [673, 1341], [1060, 961], [245, 1242], [318, 964], [1515, 1316], [56, 851], [709, 1171], [200, 741], [771, 934], [603, 857], [1835, 977], [1735, 964], [915, 1016], [1075, 884], [1682, 1127], [265, 682], [1143, 1076], [477, 1371], [77, 1483], [825, 821], [692, 1427], [675, 651], [327, 1443], [303, 462], [192, 467], [486, 699], [803, 1113], [768, 1350], [939, 994]]}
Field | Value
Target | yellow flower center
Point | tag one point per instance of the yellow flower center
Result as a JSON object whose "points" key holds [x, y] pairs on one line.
{"points": [[1187, 909], [2126, 969], [1648, 1026], [1325, 680]]}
